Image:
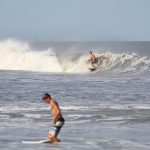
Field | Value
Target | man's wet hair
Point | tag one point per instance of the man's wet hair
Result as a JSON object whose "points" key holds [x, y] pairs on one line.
{"points": [[46, 95]]}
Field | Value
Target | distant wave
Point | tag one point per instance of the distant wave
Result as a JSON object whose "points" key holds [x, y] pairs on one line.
{"points": [[16, 55]]}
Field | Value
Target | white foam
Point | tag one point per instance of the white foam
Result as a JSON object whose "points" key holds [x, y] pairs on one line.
{"points": [[33, 115], [130, 106], [15, 55], [16, 108], [74, 108]]}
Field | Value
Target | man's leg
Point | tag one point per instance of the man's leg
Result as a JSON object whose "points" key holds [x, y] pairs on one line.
{"points": [[53, 134], [94, 62], [50, 137], [53, 138]]}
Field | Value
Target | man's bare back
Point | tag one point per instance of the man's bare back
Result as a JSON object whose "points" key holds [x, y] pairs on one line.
{"points": [[55, 110]]}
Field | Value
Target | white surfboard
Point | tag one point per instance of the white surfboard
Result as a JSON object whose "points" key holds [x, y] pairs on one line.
{"points": [[37, 142]]}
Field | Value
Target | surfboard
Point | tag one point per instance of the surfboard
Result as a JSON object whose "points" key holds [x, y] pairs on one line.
{"points": [[92, 69], [37, 142]]}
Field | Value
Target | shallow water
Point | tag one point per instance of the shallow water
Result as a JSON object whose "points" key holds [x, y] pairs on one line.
{"points": [[102, 111]]}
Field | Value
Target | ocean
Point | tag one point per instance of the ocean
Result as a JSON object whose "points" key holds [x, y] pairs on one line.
{"points": [[108, 109]]}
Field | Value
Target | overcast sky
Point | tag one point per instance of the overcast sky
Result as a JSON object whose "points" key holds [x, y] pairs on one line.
{"points": [[75, 20]]}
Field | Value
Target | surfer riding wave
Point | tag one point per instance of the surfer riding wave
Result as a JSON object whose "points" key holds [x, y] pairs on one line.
{"points": [[92, 59]]}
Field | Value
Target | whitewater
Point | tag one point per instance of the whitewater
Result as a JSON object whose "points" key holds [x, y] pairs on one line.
{"points": [[108, 109], [17, 55]]}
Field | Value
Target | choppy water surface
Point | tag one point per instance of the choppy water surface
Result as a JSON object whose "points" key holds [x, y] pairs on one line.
{"points": [[102, 111], [108, 109]]}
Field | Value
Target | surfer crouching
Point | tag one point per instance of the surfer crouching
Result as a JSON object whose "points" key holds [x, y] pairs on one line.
{"points": [[58, 120], [92, 59]]}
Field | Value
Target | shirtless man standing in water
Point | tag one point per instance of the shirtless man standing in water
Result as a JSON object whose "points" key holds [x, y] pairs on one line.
{"points": [[57, 119]]}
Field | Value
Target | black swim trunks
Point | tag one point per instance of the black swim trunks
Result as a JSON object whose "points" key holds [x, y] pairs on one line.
{"points": [[57, 127]]}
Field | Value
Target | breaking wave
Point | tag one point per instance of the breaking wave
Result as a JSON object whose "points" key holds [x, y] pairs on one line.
{"points": [[16, 55]]}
